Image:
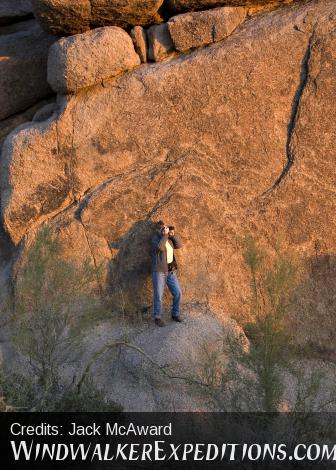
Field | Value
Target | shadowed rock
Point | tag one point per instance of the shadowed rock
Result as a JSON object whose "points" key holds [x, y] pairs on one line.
{"points": [[11, 123], [14, 10], [45, 112], [23, 69], [160, 44]]}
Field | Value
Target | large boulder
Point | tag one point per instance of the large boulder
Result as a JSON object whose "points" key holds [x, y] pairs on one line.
{"points": [[147, 373], [11, 11], [87, 59], [121, 13], [64, 17], [204, 27], [23, 68], [233, 139]]}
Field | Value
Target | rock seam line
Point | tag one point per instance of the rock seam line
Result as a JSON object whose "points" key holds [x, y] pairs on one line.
{"points": [[294, 116]]}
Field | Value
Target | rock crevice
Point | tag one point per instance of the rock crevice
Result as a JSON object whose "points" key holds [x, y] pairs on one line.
{"points": [[290, 151]]}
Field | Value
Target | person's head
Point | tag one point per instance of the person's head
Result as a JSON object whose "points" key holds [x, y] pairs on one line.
{"points": [[161, 225]]}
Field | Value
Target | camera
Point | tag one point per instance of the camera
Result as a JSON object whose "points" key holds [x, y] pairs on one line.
{"points": [[169, 227]]}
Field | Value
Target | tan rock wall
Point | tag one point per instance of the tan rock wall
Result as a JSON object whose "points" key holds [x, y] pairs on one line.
{"points": [[236, 138]]}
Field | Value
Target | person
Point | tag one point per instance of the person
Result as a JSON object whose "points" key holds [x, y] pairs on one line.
{"points": [[164, 271]]}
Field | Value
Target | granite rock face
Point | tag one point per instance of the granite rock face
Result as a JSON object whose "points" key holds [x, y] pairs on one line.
{"points": [[23, 68], [229, 140], [87, 59]]}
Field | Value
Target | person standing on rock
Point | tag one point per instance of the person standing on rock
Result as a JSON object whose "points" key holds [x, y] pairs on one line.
{"points": [[164, 268]]}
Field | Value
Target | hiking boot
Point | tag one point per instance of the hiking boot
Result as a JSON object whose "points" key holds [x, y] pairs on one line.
{"points": [[177, 319], [159, 322]]}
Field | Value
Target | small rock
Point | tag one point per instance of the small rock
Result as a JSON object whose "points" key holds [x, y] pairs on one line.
{"points": [[160, 43], [139, 37], [198, 29], [86, 59], [17, 27]]}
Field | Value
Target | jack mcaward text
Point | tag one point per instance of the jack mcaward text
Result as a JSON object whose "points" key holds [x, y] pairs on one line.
{"points": [[116, 429]]}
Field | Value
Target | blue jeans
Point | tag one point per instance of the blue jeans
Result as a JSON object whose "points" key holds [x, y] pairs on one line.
{"points": [[160, 280]]}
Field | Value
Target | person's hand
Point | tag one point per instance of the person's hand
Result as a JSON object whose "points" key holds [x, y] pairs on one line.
{"points": [[172, 232]]}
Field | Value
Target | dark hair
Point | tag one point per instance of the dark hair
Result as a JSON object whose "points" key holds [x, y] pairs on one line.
{"points": [[161, 223]]}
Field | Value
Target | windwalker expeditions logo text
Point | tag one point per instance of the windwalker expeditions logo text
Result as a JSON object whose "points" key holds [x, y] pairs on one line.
{"points": [[160, 450]]}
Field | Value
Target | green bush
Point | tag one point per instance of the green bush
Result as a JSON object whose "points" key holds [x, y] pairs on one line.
{"points": [[23, 393], [272, 294], [253, 378], [53, 304]]}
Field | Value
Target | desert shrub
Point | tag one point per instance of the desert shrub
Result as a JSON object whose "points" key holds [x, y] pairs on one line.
{"points": [[20, 392], [16, 392], [53, 303], [254, 377], [272, 289]]}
